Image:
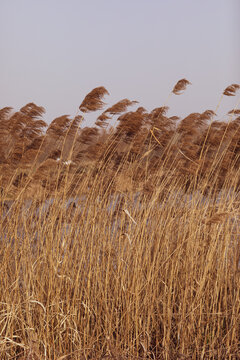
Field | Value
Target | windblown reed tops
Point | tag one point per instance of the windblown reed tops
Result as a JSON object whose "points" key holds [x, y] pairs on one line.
{"points": [[189, 145]]}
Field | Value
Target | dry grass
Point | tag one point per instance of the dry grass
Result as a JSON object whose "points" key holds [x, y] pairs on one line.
{"points": [[121, 243]]}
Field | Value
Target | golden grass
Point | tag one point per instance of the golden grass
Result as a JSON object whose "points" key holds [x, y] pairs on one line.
{"points": [[121, 243]]}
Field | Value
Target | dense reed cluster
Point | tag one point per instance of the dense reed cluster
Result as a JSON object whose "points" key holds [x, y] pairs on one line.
{"points": [[120, 242], [35, 156]]}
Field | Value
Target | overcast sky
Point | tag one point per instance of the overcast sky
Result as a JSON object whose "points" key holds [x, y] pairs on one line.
{"points": [[53, 52]]}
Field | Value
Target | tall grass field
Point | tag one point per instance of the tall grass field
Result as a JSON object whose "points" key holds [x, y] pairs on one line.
{"points": [[120, 240]]}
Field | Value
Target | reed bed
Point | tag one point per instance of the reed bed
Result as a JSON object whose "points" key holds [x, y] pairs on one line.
{"points": [[120, 242]]}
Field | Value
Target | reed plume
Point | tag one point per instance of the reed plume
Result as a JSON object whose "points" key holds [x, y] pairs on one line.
{"points": [[103, 117], [4, 113], [32, 110], [93, 100], [130, 124], [120, 107], [234, 112], [102, 120], [231, 90], [59, 126], [180, 86]]}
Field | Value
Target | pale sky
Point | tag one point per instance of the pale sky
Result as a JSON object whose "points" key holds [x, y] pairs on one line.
{"points": [[53, 52]]}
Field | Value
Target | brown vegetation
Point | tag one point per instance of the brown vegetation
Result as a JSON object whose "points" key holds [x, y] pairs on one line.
{"points": [[120, 242]]}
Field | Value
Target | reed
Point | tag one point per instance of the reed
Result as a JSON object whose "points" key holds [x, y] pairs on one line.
{"points": [[119, 243]]}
